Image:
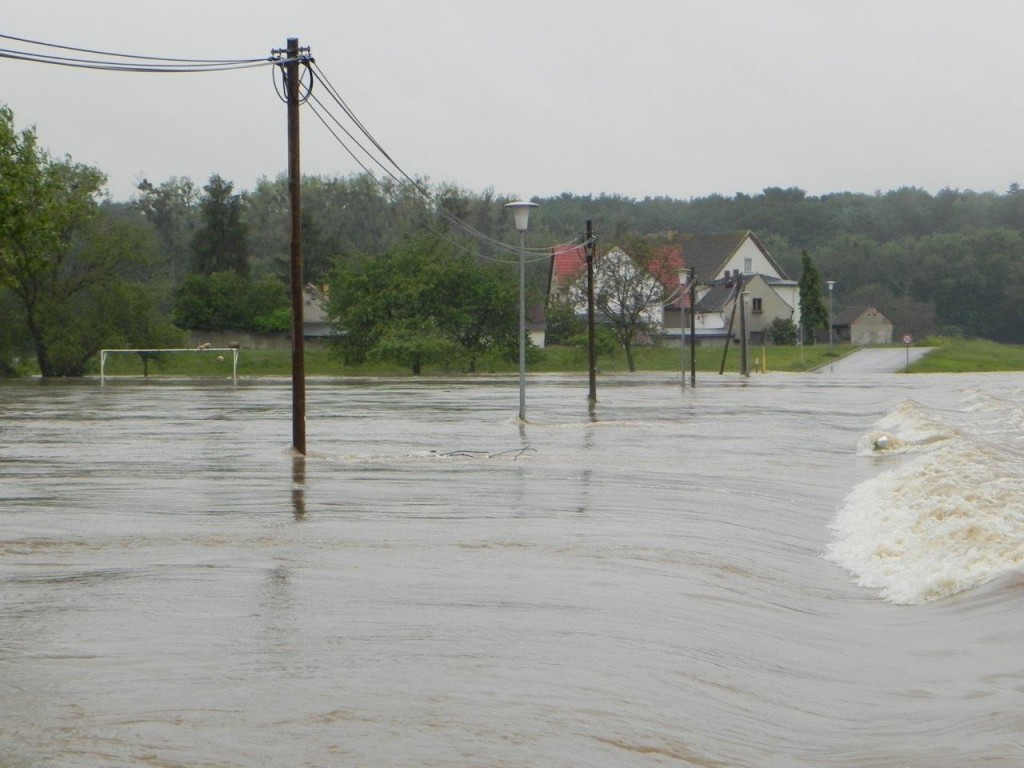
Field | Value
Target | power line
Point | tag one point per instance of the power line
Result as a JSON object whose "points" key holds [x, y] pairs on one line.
{"points": [[113, 61], [137, 57], [409, 181], [317, 106], [113, 66]]}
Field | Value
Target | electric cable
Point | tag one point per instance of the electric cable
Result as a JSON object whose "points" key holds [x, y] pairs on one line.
{"points": [[128, 55], [115, 66], [139, 63], [317, 107], [336, 96]]}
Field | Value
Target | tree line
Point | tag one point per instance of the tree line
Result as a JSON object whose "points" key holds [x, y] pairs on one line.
{"points": [[79, 272]]}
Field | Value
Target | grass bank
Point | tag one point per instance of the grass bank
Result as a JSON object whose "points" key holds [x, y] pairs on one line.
{"points": [[948, 356], [319, 361], [951, 355]]}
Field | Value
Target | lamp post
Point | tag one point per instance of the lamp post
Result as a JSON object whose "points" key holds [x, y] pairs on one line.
{"points": [[831, 286], [521, 209], [684, 277]]}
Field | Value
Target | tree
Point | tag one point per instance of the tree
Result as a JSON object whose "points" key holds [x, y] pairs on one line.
{"points": [[64, 260], [414, 343], [221, 242], [628, 294], [421, 303], [813, 313], [170, 208]]}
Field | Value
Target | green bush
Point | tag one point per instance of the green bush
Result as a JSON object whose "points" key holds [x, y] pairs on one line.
{"points": [[782, 332], [226, 300]]}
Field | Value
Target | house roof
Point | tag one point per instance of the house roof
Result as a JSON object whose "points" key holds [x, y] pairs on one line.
{"points": [[567, 261], [719, 295], [666, 265], [708, 253], [850, 315]]}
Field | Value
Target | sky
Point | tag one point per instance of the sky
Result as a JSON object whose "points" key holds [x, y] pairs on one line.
{"points": [[676, 98]]}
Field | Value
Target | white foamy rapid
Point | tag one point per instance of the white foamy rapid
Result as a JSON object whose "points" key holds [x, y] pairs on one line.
{"points": [[948, 519]]}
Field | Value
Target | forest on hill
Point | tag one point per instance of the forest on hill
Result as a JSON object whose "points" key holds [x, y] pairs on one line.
{"points": [[950, 262]]}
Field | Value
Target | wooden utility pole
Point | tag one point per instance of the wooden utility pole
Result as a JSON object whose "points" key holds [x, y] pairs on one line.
{"points": [[293, 98], [732, 319], [693, 327], [591, 342]]}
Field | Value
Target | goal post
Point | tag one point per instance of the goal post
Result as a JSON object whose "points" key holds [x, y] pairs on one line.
{"points": [[143, 353]]}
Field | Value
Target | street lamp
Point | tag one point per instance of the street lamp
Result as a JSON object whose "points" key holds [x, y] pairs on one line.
{"points": [[521, 209], [831, 286]]}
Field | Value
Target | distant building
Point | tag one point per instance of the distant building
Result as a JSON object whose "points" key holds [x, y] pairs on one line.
{"points": [[862, 327], [315, 324]]}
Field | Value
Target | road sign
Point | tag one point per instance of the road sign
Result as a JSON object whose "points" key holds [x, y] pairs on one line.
{"points": [[908, 339]]}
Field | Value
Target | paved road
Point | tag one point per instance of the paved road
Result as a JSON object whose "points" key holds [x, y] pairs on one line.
{"points": [[888, 360]]}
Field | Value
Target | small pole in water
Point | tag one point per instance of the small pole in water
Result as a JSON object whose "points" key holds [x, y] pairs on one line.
{"points": [[693, 327], [589, 248]]}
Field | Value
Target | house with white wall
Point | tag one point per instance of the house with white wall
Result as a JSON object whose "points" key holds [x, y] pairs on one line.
{"points": [[725, 266]]}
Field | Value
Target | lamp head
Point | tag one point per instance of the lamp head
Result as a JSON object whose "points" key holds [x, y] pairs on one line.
{"points": [[521, 208]]}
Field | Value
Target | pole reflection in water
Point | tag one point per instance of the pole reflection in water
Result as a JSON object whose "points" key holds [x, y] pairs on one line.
{"points": [[299, 486]]}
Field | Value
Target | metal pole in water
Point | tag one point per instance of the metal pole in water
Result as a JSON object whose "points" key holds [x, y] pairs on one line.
{"points": [[693, 327], [521, 210], [589, 248]]}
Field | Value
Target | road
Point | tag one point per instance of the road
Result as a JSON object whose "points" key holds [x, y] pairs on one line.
{"points": [[880, 360]]}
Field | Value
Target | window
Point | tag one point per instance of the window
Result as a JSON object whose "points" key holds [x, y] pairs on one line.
{"points": [[748, 265], [755, 305]]}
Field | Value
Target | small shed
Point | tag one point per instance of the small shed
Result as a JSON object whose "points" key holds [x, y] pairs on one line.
{"points": [[862, 326], [315, 323]]}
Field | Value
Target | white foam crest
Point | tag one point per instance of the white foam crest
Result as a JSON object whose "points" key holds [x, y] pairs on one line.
{"points": [[949, 520], [908, 428]]}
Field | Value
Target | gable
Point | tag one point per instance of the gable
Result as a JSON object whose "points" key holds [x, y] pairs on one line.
{"points": [[716, 255], [862, 314]]}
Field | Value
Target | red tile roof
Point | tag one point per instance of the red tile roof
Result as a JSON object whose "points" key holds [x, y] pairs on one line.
{"points": [[567, 261], [666, 265]]}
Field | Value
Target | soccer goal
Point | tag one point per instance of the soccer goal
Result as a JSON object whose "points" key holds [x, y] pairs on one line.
{"points": [[149, 354]]}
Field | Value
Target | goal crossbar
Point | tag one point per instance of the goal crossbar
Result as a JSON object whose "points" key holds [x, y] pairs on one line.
{"points": [[105, 352]]}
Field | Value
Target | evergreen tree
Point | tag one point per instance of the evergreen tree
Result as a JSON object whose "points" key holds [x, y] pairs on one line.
{"points": [[813, 313], [221, 244]]}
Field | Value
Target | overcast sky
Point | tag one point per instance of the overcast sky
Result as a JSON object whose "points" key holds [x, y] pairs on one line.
{"points": [[537, 97]]}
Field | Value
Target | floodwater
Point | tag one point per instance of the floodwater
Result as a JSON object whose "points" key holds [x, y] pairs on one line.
{"points": [[732, 575]]}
